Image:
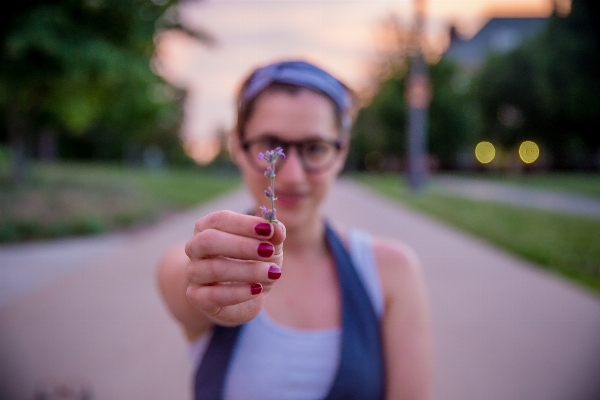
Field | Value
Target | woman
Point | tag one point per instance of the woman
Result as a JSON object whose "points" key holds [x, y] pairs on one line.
{"points": [[346, 315]]}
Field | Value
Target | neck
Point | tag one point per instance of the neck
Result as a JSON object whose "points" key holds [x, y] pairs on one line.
{"points": [[307, 238]]}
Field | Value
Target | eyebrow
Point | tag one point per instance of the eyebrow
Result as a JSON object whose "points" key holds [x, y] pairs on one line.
{"points": [[274, 136]]}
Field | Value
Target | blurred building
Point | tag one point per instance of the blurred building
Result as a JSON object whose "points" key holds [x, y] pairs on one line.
{"points": [[498, 35]]}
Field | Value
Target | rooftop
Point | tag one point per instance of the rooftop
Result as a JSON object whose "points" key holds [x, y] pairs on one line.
{"points": [[498, 35]]}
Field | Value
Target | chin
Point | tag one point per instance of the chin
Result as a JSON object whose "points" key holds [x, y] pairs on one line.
{"points": [[295, 218]]}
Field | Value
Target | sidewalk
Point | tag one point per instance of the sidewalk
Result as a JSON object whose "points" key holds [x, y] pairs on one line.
{"points": [[482, 189], [503, 328]]}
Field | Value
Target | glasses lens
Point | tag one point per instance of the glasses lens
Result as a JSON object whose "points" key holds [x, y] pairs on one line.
{"points": [[317, 154]]}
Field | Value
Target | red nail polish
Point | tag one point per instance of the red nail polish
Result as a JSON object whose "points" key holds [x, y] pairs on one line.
{"points": [[263, 229], [265, 250], [256, 288], [274, 272]]}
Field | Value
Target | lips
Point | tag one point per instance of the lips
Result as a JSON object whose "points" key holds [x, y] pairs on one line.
{"points": [[288, 199]]}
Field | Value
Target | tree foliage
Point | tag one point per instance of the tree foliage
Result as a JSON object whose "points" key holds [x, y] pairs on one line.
{"points": [[381, 126], [81, 69], [548, 90]]}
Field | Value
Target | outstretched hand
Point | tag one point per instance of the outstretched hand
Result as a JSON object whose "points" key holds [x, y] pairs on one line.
{"points": [[234, 261]]}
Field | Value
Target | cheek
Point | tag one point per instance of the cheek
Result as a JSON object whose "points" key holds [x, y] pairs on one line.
{"points": [[256, 183], [322, 182]]}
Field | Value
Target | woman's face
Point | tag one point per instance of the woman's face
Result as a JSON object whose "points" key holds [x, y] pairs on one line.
{"points": [[291, 117]]}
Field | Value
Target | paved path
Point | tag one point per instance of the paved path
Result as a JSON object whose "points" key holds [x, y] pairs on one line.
{"points": [[482, 189], [503, 328], [25, 268]]}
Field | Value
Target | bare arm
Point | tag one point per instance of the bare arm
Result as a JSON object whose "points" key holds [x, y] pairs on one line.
{"points": [[407, 335]]}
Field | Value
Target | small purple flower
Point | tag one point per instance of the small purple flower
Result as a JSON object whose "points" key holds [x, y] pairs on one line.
{"points": [[270, 172], [268, 214], [271, 157], [270, 194]]}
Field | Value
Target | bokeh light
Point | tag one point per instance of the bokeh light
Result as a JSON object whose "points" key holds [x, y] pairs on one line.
{"points": [[202, 151], [529, 151], [485, 152], [374, 161]]}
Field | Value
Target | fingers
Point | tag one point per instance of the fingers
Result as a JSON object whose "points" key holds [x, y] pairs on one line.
{"points": [[242, 225], [240, 300], [239, 236], [212, 243], [233, 259], [218, 283], [219, 269]]}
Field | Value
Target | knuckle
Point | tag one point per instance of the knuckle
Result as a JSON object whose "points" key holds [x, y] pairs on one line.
{"points": [[211, 270], [216, 219], [189, 248], [199, 297], [192, 273], [213, 219], [195, 247], [198, 225], [205, 241], [193, 295], [208, 221]]}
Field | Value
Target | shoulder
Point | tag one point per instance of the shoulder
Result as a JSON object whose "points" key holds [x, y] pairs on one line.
{"points": [[394, 257], [399, 268], [406, 322]]}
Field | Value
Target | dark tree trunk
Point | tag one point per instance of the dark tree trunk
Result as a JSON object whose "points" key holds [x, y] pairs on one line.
{"points": [[17, 136]]}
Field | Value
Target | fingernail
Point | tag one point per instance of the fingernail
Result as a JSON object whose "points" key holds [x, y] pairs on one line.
{"points": [[256, 288], [274, 272], [265, 250], [263, 229]]}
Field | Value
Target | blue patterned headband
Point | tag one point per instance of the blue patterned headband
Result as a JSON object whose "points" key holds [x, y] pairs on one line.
{"points": [[299, 73]]}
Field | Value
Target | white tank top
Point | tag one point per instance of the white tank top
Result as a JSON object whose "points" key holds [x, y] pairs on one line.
{"points": [[273, 361]]}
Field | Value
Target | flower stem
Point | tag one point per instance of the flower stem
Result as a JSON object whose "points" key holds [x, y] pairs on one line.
{"points": [[273, 188]]}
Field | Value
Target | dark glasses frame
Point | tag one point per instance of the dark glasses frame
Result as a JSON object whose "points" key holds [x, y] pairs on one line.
{"points": [[297, 144]]}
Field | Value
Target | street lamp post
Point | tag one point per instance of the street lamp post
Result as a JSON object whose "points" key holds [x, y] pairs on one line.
{"points": [[418, 93]]}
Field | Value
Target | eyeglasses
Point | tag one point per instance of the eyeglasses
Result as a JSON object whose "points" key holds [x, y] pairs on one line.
{"points": [[316, 155]]}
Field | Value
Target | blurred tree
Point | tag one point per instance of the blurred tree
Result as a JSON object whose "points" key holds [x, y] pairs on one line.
{"points": [[378, 133], [380, 140], [81, 68], [454, 122], [380, 130], [548, 90]]}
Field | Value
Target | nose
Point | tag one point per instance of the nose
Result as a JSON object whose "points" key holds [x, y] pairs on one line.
{"points": [[292, 167]]}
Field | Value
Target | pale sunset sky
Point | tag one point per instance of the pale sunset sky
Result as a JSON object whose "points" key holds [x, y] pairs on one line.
{"points": [[339, 35]]}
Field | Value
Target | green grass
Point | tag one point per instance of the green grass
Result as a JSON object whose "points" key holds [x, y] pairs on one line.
{"points": [[65, 199], [568, 245], [587, 184]]}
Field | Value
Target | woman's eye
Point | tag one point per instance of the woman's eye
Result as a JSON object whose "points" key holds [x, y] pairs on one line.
{"points": [[315, 149]]}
